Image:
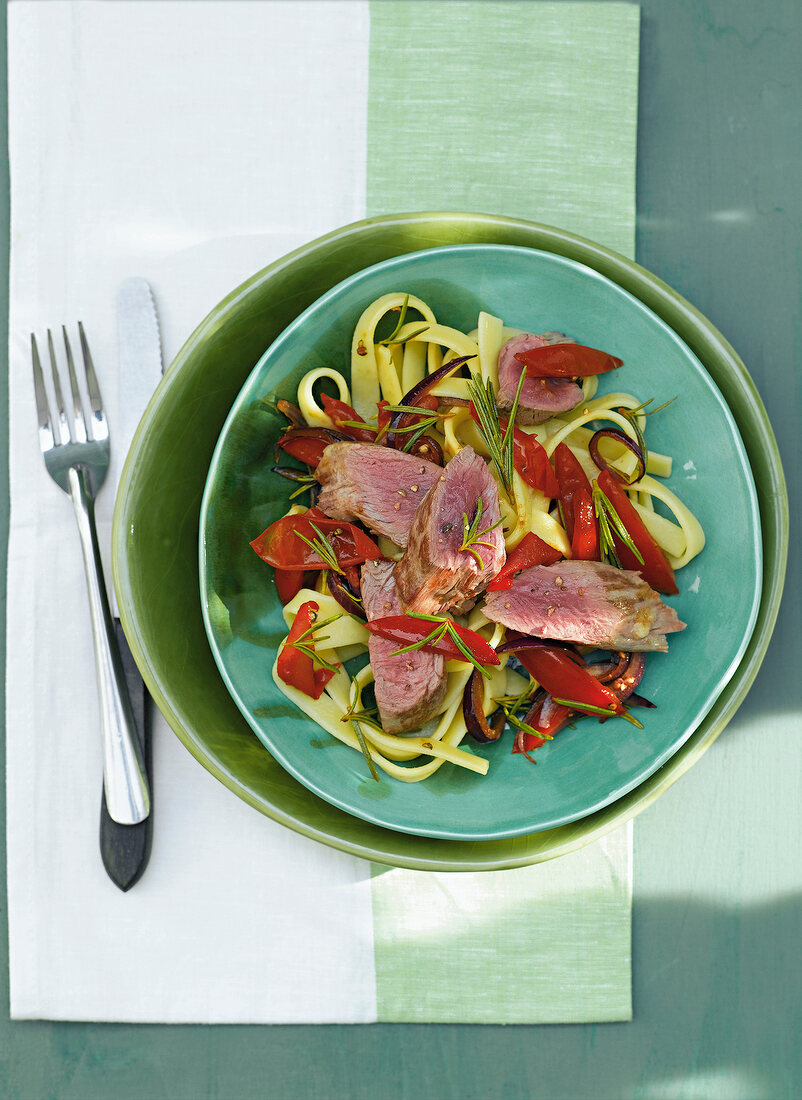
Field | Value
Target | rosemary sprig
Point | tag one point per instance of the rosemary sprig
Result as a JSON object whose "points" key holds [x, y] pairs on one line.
{"points": [[318, 626], [418, 409], [632, 416], [409, 336], [436, 636], [432, 418], [644, 407], [472, 536], [356, 717], [413, 439], [500, 446], [421, 424], [442, 628], [308, 651], [322, 547], [602, 712], [466, 653], [365, 424], [610, 525], [512, 704], [519, 725], [393, 337], [356, 424], [306, 642]]}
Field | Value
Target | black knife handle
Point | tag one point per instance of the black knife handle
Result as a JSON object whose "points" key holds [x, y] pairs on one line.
{"points": [[125, 849]]}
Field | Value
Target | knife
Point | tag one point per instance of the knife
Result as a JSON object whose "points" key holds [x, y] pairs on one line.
{"points": [[125, 849]]}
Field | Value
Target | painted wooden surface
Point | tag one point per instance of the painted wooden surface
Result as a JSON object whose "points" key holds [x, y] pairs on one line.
{"points": [[718, 901]]}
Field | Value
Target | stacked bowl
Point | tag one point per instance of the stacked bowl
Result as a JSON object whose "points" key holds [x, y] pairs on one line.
{"points": [[200, 434]]}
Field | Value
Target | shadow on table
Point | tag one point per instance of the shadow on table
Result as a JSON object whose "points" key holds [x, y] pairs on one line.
{"points": [[717, 1005]]}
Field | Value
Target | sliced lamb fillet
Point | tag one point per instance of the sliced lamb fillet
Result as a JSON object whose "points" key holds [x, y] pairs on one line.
{"points": [[588, 602], [434, 574], [380, 486], [409, 688], [540, 397]]}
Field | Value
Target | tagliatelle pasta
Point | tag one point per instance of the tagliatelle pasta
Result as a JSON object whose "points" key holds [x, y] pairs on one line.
{"points": [[385, 370]]}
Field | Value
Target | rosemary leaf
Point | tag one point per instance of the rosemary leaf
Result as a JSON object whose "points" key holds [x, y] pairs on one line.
{"points": [[458, 642], [409, 336], [308, 651], [322, 547], [355, 717], [318, 626], [422, 424], [602, 712], [472, 536], [365, 750], [303, 489], [410, 443], [610, 523], [519, 725], [401, 319], [431, 639], [393, 337]]}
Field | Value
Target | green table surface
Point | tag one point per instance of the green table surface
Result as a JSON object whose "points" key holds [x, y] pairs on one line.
{"points": [[717, 902]]}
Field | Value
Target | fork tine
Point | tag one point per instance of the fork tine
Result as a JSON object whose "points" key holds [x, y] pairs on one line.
{"points": [[46, 434], [99, 426], [79, 419], [65, 429]]}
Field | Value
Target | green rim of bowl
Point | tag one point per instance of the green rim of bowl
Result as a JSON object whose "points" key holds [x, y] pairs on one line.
{"points": [[154, 559]]}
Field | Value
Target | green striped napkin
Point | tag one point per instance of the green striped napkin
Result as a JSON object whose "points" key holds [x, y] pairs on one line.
{"points": [[524, 109], [528, 110]]}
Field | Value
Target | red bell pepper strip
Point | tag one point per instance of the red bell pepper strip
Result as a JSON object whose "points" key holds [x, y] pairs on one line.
{"points": [[566, 361], [308, 449], [289, 583], [341, 413], [570, 478], [531, 461], [531, 550], [384, 418], [528, 457], [585, 540], [352, 575], [409, 630], [562, 673], [297, 668], [655, 568], [281, 546]]}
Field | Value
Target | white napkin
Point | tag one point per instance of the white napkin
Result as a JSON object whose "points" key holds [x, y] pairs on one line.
{"points": [[191, 144]]}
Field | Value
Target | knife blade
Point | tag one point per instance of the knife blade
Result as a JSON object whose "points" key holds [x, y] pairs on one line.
{"points": [[125, 849]]}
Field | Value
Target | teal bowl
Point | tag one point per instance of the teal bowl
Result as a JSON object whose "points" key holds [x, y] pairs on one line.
{"points": [[157, 518], [589, 765]]}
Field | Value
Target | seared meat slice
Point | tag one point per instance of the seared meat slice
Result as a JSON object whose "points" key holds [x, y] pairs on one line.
{"points": [[411, 687], [540, 397], [378, 485], [589, 602], [434, 573]]}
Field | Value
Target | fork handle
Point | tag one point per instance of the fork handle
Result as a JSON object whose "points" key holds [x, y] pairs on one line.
{"points": [[124, 777]]}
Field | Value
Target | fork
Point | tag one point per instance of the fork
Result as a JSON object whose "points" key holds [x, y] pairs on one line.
{"points": [[76, 454]]}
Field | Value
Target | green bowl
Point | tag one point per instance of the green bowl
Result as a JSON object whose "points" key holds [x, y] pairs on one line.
{"points": [[156, 531], [590, 765]]}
